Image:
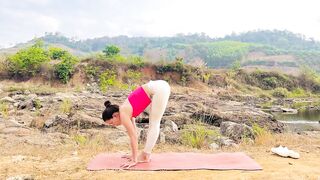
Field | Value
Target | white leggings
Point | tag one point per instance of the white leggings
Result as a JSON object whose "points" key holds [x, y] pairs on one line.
{"points": [[161, 92]]}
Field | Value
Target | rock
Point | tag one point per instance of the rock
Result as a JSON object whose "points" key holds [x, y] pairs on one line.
{"points": [[214, 146], [31, 96], [236, 131], [27, 92], [55, 120], [224, 141], [179, 118], [74, 153], [282, 109], [27, 104], [170, 126], [208, 117], [21, 177], [8, 99], [19, 97], [16, 131], [144, 134], [18, 158], [62, 96], [289, 110], [84, 121], [173, 137]]}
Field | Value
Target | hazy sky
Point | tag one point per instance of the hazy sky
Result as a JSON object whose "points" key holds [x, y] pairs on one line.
{"points": [[21, 20]]}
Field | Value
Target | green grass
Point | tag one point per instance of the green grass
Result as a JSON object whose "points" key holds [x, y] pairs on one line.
{"points": [[66, 106], [197, 136], [4, 109], [80, 139]]}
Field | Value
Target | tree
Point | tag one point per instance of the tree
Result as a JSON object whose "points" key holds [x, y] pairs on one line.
{"points": [[111, 50]]}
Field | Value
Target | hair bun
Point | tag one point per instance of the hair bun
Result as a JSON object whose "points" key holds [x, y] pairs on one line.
{"points": [[107, 103]]}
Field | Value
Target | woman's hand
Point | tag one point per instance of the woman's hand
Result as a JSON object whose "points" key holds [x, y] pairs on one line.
{"points": [[129, 164], [127, 156]]}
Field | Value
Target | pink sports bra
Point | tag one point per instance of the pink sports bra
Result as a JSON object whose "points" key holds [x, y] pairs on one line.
{"points": [[139, 100]]}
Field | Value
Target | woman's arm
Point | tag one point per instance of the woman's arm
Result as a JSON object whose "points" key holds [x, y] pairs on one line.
{"points": [[127, 123], [133, 120]]}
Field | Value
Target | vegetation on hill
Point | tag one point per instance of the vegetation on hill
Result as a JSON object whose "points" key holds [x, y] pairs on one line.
{"points": [[200, 48], [110, 69]]}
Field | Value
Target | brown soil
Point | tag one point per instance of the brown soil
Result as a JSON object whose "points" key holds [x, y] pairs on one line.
{"points": [[59, 162]]}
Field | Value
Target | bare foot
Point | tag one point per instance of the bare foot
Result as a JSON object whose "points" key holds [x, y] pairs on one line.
{"points": [[144, 157]]}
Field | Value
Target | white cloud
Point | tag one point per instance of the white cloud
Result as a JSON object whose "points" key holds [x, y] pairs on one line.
{"points": [[22, 20], [49, 23]]}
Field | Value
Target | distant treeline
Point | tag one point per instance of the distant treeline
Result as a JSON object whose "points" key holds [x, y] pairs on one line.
{"points": [[200, 48]]}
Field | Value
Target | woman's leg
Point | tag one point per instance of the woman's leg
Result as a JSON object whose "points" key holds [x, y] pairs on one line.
{"points": [[158, 106]]}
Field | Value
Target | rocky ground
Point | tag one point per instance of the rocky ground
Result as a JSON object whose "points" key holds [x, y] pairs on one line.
{"points": [[54, 134]]}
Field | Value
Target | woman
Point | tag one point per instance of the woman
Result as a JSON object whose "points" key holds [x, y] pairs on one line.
{"points": [[155, 93]]}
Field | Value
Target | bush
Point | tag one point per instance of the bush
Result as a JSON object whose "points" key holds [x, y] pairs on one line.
{"points": [[133, 76], [280, 93], [91, 71], [136, 61], [107, 79], [298, 92], [56, 53], [27, 62], [111, 50], [270, 82], [65, 68]]}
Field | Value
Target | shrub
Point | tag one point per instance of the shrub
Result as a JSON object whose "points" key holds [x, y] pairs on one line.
{"points": [[111, 50], [280, 92], [107, 79], [270, 82], [132, 76], [56, 53], [91, 71], [65, 68], [27, 62], [37, 104], [298, 92], [136, 61]]}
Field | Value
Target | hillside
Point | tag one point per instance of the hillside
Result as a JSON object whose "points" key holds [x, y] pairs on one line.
{"points": [[280, 50]]}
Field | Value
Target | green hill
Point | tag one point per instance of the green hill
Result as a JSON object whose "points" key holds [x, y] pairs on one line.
{"points": [[275, 49]]}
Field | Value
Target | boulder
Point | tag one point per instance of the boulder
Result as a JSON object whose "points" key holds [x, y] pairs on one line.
{"points": [[236, 131]]}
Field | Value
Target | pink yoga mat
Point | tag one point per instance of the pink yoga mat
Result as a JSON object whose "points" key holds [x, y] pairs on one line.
{"points": [[179, 161]]}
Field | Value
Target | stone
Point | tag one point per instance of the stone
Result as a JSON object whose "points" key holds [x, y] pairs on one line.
{"points": [[18, 158], [224, 141], [21, 177], [170, 126], [55, 120], [214, 146], [8, 99], [236, 131]]}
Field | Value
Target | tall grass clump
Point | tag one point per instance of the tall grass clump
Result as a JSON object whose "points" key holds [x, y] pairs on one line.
{"points": [[66, 106], [262, 135], [4, 109], [197, 136]]}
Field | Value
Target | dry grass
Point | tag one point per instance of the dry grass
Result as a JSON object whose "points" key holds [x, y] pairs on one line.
{"points": [[60, 162]]}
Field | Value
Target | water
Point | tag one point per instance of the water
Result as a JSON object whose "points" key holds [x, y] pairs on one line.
{"points": [[304, 120]]}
